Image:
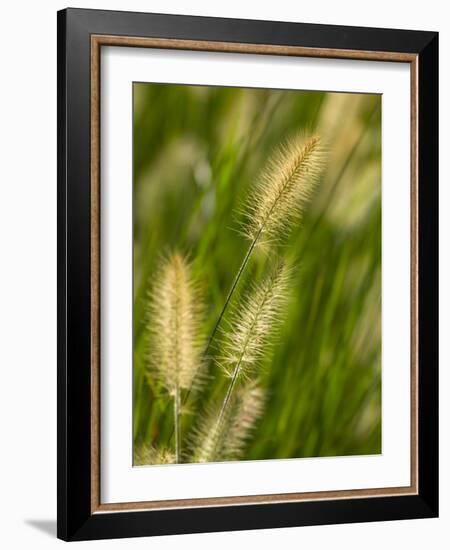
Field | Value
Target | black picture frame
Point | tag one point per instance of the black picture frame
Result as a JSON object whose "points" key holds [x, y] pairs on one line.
{"points": [[76, 521]]}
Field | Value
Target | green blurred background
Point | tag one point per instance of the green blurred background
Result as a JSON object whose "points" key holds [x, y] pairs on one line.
{"points": [[197, 151]]}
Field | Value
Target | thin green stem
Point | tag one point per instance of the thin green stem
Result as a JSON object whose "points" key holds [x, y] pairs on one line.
{"points": [[229, 392], [176, 413], [231, 291]]}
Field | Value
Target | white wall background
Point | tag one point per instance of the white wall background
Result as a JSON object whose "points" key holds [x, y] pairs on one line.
{"points": [[28, 272]]}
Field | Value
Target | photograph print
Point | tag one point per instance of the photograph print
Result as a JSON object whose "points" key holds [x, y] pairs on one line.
{"points": [[257, 274]]}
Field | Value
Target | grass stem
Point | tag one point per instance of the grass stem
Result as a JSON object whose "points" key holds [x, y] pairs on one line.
{"points": [[176, 413], [231, 291]]}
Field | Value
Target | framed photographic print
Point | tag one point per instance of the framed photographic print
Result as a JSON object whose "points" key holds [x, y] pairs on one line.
{"points": [[247, 256]]}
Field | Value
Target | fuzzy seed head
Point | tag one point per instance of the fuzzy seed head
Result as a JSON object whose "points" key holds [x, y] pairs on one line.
{"points": [[174, 322], [249, 407], [147, 454], [205, 440], [283, 188], [254, 325], [226, 440]]}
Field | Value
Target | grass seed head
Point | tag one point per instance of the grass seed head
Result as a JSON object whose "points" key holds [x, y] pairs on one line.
{"points": [[254, 324], [174, 322], [283, 188]]}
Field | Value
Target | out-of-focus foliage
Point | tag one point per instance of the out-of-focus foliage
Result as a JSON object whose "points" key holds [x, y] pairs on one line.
{"points": [[197, 152]]}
